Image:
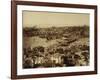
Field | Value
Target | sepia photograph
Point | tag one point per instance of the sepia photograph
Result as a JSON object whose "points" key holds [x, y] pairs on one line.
{"points": [[55, 39]]}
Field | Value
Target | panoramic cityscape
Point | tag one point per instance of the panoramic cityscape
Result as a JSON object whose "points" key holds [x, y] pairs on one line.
{"points": [[54, 40]]}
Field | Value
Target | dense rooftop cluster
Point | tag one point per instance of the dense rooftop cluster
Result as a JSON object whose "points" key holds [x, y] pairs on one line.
{"points": [[55, 46]]}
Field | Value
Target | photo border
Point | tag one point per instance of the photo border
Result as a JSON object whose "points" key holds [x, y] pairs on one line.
{"points": [[14, 38]]}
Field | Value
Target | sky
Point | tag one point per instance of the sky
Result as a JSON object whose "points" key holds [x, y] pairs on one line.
{"points": [[57, 19]]}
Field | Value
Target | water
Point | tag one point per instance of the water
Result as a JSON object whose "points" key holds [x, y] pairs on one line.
{"points": [[37, 41]]}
